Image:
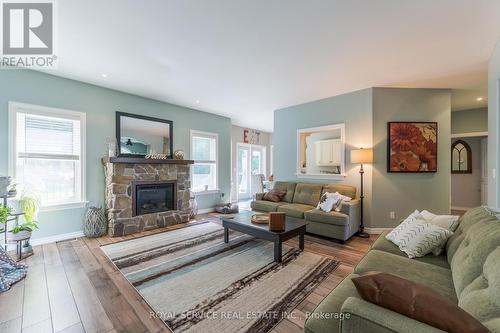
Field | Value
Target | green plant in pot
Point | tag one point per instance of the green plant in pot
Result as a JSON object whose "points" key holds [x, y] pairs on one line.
{"points": [[4, 213], [30, 206]]}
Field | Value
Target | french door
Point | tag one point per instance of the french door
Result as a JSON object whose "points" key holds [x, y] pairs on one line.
{"points": [[251, 160]]}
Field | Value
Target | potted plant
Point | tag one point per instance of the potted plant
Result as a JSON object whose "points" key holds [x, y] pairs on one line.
{"points": [[4, 213], [22, 231], [30, 206]]}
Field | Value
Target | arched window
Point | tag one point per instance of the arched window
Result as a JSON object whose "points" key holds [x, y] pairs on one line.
{"points": [[461, 158]]}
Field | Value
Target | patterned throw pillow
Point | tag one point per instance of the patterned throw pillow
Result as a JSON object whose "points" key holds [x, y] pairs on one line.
{"points": [[332, 201], [448, 222], [419, 239], [328, 201], [274, 195], [396, 233]]}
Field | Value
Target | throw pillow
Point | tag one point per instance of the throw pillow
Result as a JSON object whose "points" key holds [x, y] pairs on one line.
{"points": [[419, 239], [274, 195], [395, 234], [449, 222], [343, 198], [415, 301], [328, 201]]}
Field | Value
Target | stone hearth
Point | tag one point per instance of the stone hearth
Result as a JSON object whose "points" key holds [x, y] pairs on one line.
{"points": [[119, 177]]}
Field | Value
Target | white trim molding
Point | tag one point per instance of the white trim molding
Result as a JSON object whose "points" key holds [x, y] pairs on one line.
{"points": [[16, 107], [208, 192], [460, 208], [69, 205], [56, 238], [321, 176], [468, 134], [376, 231], [206, 210], [208, 135], [298, 167]]}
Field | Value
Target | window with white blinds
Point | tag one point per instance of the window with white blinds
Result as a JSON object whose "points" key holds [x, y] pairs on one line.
{"points": [[204, 153], [48, 153]]}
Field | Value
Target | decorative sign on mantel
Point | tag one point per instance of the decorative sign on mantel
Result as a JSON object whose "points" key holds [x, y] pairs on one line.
{"points": [[156, 156]]}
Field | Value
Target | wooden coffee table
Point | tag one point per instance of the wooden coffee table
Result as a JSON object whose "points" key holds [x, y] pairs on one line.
{"points": [[242, 222]]}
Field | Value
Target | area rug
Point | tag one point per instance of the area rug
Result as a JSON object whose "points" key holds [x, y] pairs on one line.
{"points": [[197, 283]]}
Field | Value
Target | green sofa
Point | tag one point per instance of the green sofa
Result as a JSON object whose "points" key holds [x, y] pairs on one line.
{"points": [[468, 274], [301, 200]]}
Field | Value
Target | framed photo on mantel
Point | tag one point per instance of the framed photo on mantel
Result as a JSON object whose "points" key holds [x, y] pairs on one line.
{"points": [[412, 147]]}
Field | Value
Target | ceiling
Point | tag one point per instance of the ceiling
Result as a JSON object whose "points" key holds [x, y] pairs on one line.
{"points": [[245, 59]]}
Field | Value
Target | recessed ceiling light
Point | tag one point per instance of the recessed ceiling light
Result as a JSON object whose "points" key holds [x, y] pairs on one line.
{"points": [[479, 99], [197, 101], [104, 75]]}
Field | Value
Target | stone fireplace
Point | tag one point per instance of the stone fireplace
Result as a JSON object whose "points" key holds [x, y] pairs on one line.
{"points": [[143, 194]]}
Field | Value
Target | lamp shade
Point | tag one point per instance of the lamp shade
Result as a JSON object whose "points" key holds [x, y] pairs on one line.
{"points": [[361, 156]]}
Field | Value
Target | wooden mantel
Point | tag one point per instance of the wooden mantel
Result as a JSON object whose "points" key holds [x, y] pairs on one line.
{"points": [[140, 160]]}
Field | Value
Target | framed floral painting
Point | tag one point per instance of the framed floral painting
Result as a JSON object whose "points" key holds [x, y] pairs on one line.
{"points": [[412, 146]]}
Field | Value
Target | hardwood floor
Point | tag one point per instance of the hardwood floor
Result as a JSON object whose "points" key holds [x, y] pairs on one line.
{"points": [[72, 287]]}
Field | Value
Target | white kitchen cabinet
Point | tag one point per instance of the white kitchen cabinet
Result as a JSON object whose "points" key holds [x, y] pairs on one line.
{"points": [[328, 152]]}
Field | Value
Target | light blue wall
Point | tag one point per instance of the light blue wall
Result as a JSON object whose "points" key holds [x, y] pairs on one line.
{"points": [[354, 109], [466, 121], [494, 128], [100, 105], [366, 113], [399, 192]]}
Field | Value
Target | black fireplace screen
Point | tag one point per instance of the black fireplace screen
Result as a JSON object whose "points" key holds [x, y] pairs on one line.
{"points": [[154, 198]]}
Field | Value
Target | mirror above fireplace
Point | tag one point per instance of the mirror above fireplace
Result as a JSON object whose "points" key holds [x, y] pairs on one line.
{"points": [[138, 136]]}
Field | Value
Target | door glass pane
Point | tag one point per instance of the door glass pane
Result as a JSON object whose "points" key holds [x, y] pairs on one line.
{"points": [[256, 162], [242, 170]]}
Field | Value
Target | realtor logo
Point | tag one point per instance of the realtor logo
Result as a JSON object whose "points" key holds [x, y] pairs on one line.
{"points": [[28, 32]]}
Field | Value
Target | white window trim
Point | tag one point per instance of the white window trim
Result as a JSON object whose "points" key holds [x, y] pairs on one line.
{"points": [[342, 175], [206, 134], [14, 108]]}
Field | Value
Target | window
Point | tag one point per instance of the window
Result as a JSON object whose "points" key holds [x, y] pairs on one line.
{"points": [[46, 152], [204, 154]]}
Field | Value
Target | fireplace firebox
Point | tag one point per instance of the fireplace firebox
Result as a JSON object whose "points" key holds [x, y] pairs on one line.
{"points": [[153, 197]]}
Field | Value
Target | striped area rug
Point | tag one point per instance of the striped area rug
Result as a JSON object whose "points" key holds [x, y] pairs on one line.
{"points": [[197, 283]]}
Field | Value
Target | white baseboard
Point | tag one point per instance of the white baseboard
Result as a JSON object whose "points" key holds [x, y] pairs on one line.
{"points": [[376, 231], [460, 208], [206, 210], [56, 238]]}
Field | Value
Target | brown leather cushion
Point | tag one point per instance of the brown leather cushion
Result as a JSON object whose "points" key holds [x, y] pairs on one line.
{"points": [[274, 195], [415, 301]]}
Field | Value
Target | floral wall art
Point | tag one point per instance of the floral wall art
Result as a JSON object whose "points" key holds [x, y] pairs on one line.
{"points": [[412, 147]]}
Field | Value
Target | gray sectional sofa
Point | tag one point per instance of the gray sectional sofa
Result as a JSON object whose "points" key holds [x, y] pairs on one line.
{"points": [[301, 200], [468, 274]]}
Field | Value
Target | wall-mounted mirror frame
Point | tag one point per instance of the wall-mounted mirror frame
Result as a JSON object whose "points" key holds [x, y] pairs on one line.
{"points": [[461, 154], [327, 169], [121, 115]]}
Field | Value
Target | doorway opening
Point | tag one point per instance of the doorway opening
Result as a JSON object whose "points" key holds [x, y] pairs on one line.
{"points": [[250, 170], [469, 171]]}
